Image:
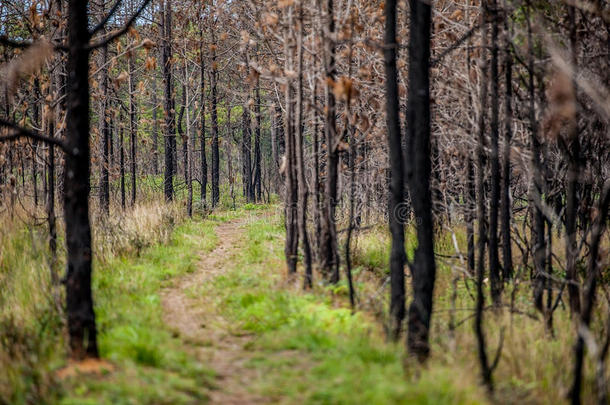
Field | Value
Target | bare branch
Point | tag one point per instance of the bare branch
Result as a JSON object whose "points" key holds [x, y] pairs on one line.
{"points": [[123, 30], [103, 23], [20, 132]]}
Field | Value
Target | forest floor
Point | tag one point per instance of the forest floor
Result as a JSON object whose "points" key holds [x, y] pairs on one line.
{"points": [[204, 312]]}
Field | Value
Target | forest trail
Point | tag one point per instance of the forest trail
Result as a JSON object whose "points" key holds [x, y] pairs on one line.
{"points": [[195, 319]]}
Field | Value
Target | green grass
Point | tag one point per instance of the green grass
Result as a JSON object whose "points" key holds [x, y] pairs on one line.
{"points": [[152, 365], [309, 349], [305, 347]]}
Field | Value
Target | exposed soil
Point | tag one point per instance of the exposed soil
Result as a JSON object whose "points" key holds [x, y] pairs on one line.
{"points": [[195, 319]]}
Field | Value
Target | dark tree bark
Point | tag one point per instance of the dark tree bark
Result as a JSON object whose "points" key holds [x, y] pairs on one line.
{"points": [[494, 261], [122, 161], [36, 116], [246, 147], [328, 254], [155, 129], [507, 254], [257, 143], [204, 163], [50, 194], [190, 146], [317, 185], [81, 317], [471, 213], [291, 199], [573, 152], [397, 171], [180, 128], [538, 235], [105, 138], [133, 126], [169, 114], [215, 151], [303, 192], [423, 267], [486, 371]]}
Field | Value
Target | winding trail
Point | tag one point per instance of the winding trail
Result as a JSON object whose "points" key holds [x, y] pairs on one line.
{"points": [[193, 317]]}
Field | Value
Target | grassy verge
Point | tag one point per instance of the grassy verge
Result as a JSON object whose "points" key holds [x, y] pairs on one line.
{"points": [[311, 349], [137, 255], [152, 365]]}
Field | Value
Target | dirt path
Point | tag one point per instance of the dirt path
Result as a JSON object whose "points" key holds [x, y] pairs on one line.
{"points": [[194, 318]]}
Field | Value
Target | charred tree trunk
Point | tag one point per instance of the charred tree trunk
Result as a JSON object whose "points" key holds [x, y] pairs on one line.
{"points": [[257, 143], [573, 156], [291, 199], [50, 193], [155, 129], [538, 235], [133, 126], [397, 171], [303, 193], [329, 255], [471, 213], [486, 372], [169, 114], [215, 151], [122, 162], [507, 254], [105, 139], [246, 146], [204, 163], [37, 120], [190, 145], [418, 140], [494, 261], [317, 186], [181, 131], [81, 317]]}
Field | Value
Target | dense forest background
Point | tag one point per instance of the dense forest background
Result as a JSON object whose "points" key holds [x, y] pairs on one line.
{"points": [[420, 189]]}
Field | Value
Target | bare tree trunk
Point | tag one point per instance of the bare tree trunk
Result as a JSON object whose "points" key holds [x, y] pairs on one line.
{"points": [[133, 126], [470, 215], [122, 160], [507, 254], [538, 235], [257, 143], [328, 255], [36, 116], [291, 199], [204, 163], [79, 308], [397, 171], [155, 129], [50, 195], [317, 186], [190, 147], [423, 268], [105, 138], [573, 152], [494, 261], [246, 146], [303, 192], [181, 129], [486, 372], [215, 151], [169, 114]]}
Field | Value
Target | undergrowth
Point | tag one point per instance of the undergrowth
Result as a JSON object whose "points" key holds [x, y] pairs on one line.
{"points": [[311, 348], [136, 254]]}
